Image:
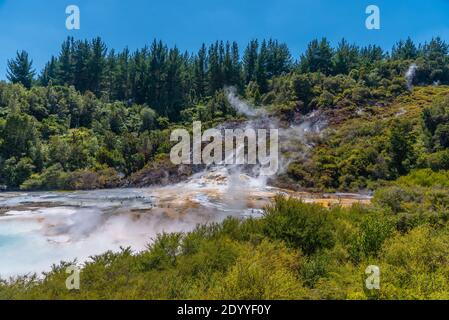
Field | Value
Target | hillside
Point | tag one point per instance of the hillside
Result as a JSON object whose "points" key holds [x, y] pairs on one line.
{"points": [[357, 150], [93, 118]]}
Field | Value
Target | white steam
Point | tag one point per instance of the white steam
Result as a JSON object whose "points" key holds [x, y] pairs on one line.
{"points": [[295, 140], [410, 75], [241, 106]]}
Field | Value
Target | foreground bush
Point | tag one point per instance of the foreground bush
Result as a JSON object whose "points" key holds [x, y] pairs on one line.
{"points": [[302, 226], [295, 251]]}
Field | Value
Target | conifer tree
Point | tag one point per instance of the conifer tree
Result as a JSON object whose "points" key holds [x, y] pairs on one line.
{"points": [[317, 57], [49, 73], [215, 77], [66, 63], [200, 73], [250, 61], [261, 68], [345, 58], [20, 69], [404, 50], [97, 65]]}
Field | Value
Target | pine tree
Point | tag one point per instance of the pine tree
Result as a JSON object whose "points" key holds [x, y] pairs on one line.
{"points": [[174, 85], [345, 58], [371, 54], [250, 61], [404, 50], [81, 72], [139, 77], [261, 68], [215, 76], [121, 78], [97, 65], [317, 57], [157, 72], [436, 49], [279, 58], [110, 75], [49, 74], [236, 77], [20, 70], [66, 63], [200, 73], [227, 65], [436, 68]]}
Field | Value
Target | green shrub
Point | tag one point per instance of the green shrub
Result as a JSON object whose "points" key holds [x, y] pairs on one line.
{"points": [[302, 226], [374, 230], [53, 177], [267, 271]]}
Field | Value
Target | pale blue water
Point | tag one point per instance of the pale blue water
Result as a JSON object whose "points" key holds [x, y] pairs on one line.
{"points": [[9, 241], [34, 235]]}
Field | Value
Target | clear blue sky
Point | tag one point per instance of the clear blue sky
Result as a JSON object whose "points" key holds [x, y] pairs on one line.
{"points": [[39, 26]]}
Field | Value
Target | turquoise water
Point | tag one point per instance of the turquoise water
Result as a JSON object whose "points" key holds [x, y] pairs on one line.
{"points": [[42, 229], [7, 241]]}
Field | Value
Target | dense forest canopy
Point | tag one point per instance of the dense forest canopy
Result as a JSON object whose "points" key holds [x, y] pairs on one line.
{"points": [[170, 80], [94, 116]]}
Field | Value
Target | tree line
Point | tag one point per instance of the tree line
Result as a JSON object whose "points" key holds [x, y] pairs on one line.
{"points": [[168, 80], [92, 110]]}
